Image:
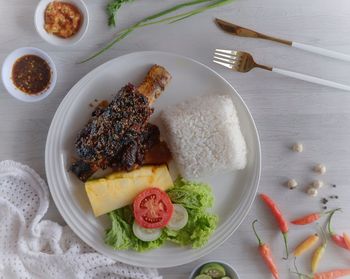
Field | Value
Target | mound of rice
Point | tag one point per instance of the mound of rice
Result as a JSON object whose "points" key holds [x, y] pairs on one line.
{"points": [[204, 136]]}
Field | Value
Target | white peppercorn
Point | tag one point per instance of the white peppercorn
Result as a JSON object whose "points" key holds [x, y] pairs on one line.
{"points": [[312, 192], [320, 169], [297, 147], [291, 184], [317, 184]]}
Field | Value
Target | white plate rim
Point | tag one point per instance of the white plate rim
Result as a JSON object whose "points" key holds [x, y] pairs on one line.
{"points": [[240, 213]]}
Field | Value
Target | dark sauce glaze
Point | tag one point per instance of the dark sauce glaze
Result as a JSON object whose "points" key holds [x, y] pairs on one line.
{"points": [[31, 74]]}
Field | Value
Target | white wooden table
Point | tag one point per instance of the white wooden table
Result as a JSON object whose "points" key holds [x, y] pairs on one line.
{"points": [[285, 110]]}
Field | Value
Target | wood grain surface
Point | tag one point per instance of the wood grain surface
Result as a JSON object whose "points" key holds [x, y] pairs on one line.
{"points": [[285, 110]]}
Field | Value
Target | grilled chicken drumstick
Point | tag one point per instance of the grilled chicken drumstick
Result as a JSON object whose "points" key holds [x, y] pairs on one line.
{"points": [[119, 135]]}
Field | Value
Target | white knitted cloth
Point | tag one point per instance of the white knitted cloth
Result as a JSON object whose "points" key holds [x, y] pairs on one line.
{"points": [[31, 248]]}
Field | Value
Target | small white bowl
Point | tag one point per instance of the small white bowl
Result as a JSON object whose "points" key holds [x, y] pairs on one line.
{"points": [[229, 269], [6, 74], [55, 40]]}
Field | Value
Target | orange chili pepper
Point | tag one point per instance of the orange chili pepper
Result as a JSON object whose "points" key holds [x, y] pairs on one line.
{"points": [[266, 254], [305, 245], [310, 218], [332, 274], [282, 223]]}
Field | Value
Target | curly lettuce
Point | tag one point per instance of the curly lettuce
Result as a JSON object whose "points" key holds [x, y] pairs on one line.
{"points": [[121, 237], [197, 198], [192, 195], [196, 233]]}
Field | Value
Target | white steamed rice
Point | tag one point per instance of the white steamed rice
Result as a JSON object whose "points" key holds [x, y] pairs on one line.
{"points": [[204, 136]]}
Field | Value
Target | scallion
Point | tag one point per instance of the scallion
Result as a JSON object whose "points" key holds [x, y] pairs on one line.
{"points": [[150, 20]]}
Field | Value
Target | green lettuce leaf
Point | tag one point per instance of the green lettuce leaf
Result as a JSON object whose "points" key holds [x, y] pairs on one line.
{"points": [[195, 197], [196, 233], [121, 237], [191, 195], [143, 246]]}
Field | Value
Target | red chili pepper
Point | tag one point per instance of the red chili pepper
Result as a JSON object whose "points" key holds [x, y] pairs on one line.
{"points": [[346, 239], [282, 223], [337, 239], [310, 218], [266, 254]]}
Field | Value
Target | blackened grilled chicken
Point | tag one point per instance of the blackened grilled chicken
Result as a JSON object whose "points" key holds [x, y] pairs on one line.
{"points": [[115, 127], [119, 135]]}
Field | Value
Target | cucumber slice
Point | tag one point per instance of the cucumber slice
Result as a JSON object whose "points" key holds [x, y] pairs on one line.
{"points": [[214, 270], [202, 276], [179, 218], [146, 234], [225, 277]]}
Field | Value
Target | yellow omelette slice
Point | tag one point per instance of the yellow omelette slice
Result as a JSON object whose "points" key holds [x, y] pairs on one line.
{"points": [[119, 189]]}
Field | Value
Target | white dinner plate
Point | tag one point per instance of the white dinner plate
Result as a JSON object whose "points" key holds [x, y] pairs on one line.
{"points": [[234, 192]]}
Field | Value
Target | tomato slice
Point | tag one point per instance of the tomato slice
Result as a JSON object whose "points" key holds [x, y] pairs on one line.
{"points": [[153, 208]]}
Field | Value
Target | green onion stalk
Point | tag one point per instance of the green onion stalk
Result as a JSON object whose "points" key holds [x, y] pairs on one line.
{"points": [[154, 19]]}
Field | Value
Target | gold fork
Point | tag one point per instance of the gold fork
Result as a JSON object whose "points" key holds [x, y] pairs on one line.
{"points": [[240, 31], [243, 62]]}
